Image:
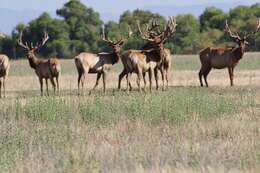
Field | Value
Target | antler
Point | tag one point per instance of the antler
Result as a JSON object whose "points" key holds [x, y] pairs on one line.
{"points": [[257, 28], [20, 42], [145, 35], [231, 34], [43, 42], [121, 41], [103, 37], [130, 33], [169, 29]]}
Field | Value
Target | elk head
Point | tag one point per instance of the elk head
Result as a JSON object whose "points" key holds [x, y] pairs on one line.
{"points": [[156, 38], [241, 40], [116, 45], [32, 49]]}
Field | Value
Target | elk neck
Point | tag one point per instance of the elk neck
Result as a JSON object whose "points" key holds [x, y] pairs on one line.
{"points": [[238, 52], [33, 61], [115, 57]]}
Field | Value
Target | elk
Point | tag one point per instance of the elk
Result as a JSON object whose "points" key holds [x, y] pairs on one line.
{"points": [[4, 70], [150, 58], [220, 58], [44, 68], [100, 63], [165, 65]]}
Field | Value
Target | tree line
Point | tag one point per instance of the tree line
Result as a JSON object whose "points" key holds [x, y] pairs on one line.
{"points": [[79, 27]]}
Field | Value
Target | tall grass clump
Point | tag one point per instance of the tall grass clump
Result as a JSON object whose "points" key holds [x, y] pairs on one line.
{"points": [[47, 109]]}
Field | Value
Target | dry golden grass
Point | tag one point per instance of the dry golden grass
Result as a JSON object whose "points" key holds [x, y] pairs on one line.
{"points": [[186, 129]]}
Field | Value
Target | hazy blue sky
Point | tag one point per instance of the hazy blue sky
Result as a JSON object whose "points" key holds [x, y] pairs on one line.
{"points": [[16, 11], [110, 5]]}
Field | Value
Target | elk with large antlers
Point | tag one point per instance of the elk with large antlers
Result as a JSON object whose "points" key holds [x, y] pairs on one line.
{"points": [[99, 63], [220, 58], [152, 57], [44, 68]]}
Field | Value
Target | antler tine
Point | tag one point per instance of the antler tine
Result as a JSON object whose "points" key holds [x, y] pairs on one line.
{"points": [[170, 28], [44, 40], [20, 42], [257, 28], [231, 34], [145, 37], [130, 33], [103, 37]]}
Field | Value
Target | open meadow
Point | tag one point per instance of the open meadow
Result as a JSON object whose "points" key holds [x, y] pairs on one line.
{"points": [[184, 129]]}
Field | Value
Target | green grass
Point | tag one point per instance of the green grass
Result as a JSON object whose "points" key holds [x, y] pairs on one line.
{"points": [[183, 129], [27, 124]]}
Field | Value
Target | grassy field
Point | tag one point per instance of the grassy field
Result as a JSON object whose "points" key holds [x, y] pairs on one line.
{"points": [[184, 129]]}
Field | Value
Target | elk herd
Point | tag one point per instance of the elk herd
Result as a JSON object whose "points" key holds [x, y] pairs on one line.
{"points": [[152, 58]]}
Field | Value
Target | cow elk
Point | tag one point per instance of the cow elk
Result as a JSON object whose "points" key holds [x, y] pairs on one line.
{"points": [[44, 68], [219, 58], [150, 58], [100, 63]]}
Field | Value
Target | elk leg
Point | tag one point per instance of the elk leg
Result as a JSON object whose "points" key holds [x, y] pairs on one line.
{"points": [[41, 85], [104, 75], [58, 85], [139, 74], [4, 85], [231, 75], [0, 88], [121, 76], [205, 76], [53, 84], [156, 78], [150, 78], [97, 82], [200, 77], [163, 77], [144, 74], [128, 83], [166, 77], [79, 80], [47, 88]]}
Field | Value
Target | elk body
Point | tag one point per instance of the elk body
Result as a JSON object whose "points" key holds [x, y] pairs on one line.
{"points": [[151, 58], [219, 58], [44, 68], [98, 63], [4, 70]]}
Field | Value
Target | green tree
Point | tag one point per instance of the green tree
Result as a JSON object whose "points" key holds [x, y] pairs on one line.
{"points": [[212, 18], [187, 34], [84, 26]]}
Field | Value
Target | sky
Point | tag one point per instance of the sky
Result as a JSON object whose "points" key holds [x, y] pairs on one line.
{"points": [[111, 5], [22, 11]]}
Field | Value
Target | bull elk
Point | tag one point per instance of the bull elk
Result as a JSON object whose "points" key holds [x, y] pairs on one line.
{"points": [[44, 68], [165, 54], [100, 63], [150, 58], [220, 58]]}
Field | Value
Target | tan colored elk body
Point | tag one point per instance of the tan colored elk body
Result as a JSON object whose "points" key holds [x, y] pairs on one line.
{"points": [[4, 70], [150, 59], [220, 58], [44, 68], [98, 63]]}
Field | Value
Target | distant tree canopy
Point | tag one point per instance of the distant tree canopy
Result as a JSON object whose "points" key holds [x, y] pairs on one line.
{"points": [[79, 29]]}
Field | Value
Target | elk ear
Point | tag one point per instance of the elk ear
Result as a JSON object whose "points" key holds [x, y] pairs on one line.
{"points": [[246, 43]]}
